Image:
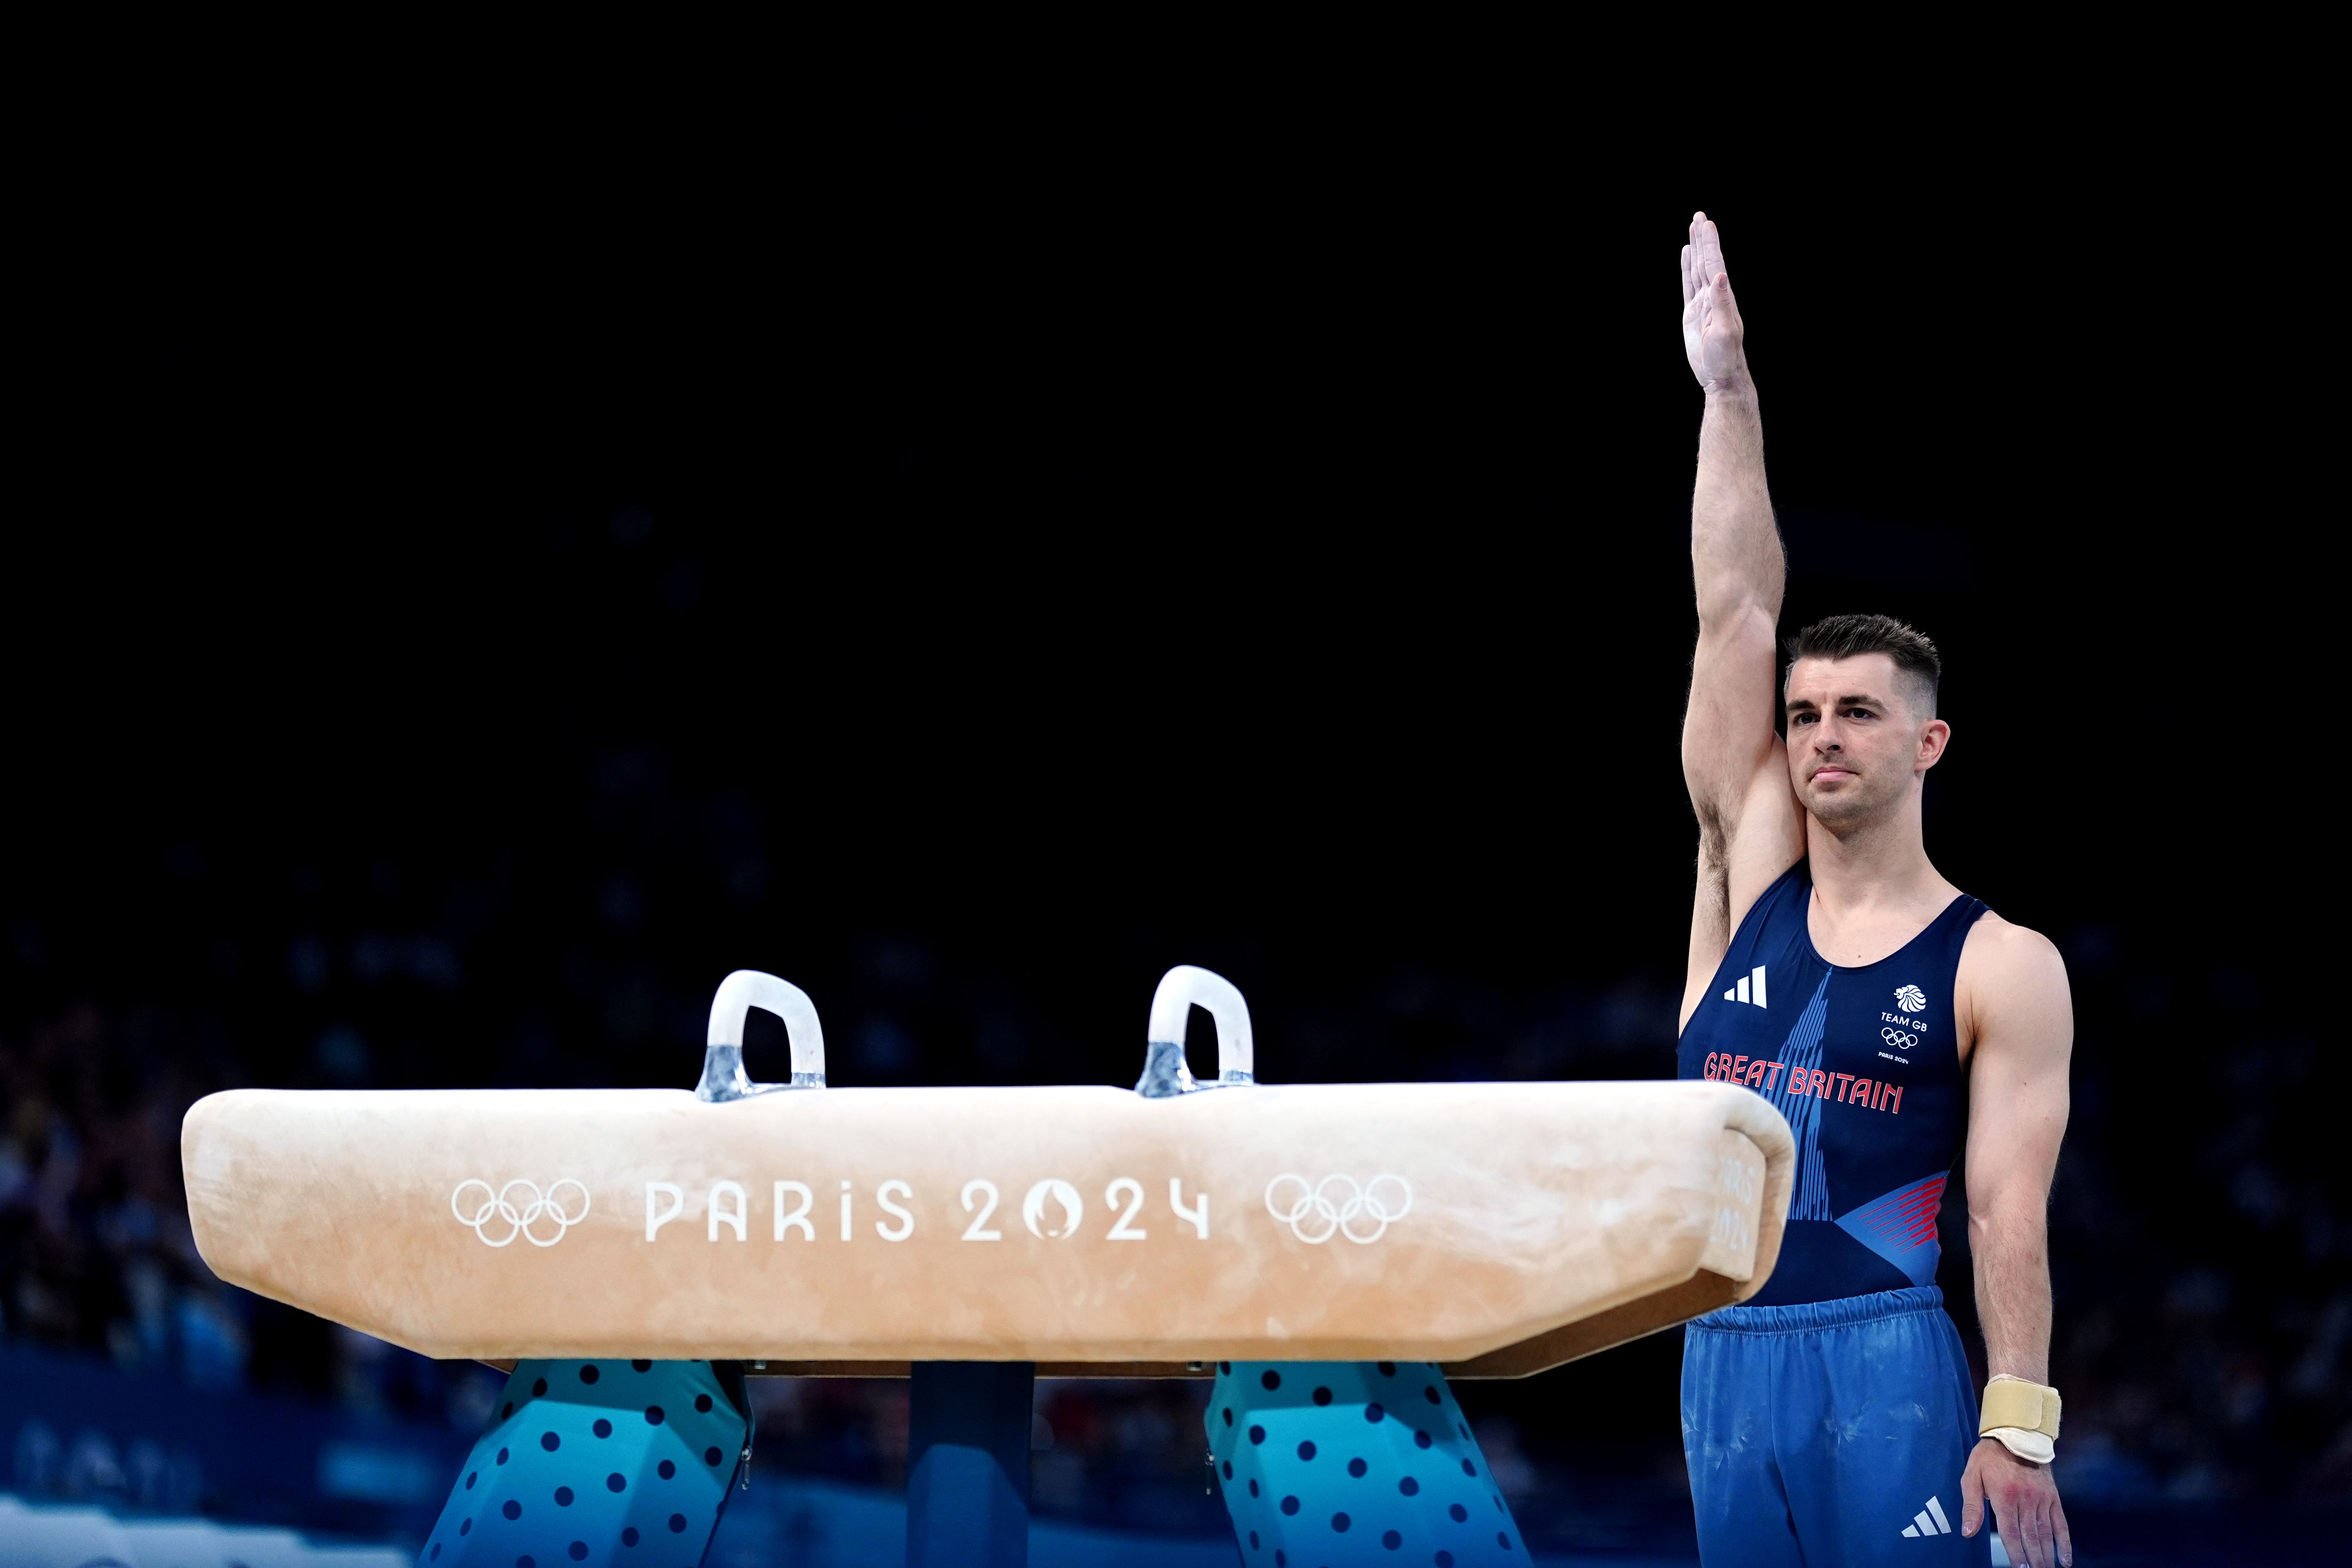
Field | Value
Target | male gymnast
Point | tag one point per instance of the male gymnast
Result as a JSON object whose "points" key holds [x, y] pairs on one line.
{"points": [[1832, 1419]]}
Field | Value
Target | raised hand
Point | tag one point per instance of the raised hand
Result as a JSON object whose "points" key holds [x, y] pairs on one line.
{"points": [[1711, 330]]}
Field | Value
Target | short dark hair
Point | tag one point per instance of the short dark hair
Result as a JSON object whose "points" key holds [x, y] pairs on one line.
{"points": [[1850, 637]]}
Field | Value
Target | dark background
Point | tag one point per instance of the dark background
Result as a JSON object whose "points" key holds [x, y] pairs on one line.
{"points": [[994, 554]]}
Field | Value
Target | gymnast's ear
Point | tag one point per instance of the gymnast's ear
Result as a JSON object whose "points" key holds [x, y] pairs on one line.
{"points": [[1934, 736]]}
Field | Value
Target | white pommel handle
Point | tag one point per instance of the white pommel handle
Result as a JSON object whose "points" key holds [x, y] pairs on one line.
{"points": [[722, 1062], [1182, 989]]}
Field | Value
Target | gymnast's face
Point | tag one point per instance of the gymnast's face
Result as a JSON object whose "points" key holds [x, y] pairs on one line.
{"points": [[1859, 738]]}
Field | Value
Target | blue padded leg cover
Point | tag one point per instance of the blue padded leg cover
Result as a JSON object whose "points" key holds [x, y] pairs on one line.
{"points": [[1326, 1464], [616, 1464]]}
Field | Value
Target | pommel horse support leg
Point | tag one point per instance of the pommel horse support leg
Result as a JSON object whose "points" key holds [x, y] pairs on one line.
{"points": [[1226, 1229], [968, 1464], [599, 1461], [1344, 1462]]}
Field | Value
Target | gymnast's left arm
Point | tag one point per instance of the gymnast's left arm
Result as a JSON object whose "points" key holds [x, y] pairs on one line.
{"points": [[2013, 986]]}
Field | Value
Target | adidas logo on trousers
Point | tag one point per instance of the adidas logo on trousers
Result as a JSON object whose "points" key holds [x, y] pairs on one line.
{"points": [[1922, 1524]]}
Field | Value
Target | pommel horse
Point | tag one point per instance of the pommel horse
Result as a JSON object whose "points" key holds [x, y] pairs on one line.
{"points": [[631, 1255]]}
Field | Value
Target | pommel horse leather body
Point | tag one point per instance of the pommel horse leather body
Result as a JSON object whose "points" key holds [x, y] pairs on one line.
{"points": [[1496, 1229]]}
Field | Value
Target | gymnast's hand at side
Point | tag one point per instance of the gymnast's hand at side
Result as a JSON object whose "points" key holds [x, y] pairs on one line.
{"points": [[1711, 329], [2024, 1505]]}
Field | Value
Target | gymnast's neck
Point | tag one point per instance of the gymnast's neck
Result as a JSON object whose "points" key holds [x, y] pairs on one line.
{"points": [[1877, 866]]}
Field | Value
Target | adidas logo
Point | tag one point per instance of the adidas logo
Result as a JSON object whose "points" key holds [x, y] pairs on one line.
{"points": [[1751, 989], [1928, 1521]]}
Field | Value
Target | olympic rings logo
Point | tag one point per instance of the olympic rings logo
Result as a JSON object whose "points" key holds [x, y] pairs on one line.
{"points": [[498, 1208], [1318, 1213], [1897, 1038]]}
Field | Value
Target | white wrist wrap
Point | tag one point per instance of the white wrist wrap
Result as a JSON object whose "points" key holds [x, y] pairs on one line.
{"points": [[2020, 1417]]}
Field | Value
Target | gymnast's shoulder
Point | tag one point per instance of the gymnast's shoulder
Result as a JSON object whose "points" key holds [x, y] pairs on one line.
{"points": [[2011, 974]]}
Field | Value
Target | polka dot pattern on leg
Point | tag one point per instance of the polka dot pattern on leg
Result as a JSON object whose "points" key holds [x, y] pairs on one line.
{"points": [[1407, 1476], [586, 1459]]}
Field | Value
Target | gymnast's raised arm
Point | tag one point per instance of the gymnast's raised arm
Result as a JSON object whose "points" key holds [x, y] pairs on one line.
{"points": [[1750, 827]]}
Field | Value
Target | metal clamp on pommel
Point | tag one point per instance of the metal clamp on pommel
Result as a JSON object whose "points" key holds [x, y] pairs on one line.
{"points": [[2020, 1417]]}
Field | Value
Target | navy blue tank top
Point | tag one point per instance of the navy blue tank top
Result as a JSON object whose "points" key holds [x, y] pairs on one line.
{"points": [[1865, 1064]]}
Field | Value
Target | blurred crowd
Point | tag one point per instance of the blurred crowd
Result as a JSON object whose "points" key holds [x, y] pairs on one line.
{"points": [[95, 1248], [2201, 1241]]}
